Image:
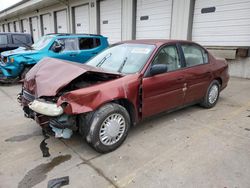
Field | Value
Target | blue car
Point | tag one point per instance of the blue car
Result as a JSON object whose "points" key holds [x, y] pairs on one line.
{"points": [[80, 48]]}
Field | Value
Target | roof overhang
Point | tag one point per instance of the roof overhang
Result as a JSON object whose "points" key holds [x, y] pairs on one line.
{"points": [[25, 6]]}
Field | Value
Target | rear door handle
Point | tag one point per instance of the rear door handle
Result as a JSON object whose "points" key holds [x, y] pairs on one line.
{"points": [[94, 52], [72, 55]]}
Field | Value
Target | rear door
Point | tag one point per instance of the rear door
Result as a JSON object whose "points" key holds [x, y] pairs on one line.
{"points": [[89, 47], [198, 73], [164, 91]]}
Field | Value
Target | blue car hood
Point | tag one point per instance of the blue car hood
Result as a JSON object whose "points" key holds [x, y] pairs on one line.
{"points": [[19, 51]]}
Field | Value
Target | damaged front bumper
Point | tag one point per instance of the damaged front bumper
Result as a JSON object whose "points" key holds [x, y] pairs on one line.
{"points": [[48, 115]]}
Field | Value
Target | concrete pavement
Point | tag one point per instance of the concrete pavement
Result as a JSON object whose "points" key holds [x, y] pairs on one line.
{"points": [[193, 147]]}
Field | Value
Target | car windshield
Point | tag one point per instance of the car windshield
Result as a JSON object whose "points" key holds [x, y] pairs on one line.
{"points": [[42, 42], [123, 58]]}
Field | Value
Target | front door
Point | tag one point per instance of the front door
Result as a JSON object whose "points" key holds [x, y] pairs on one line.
{"points": [[164, 91], [70, 49]]}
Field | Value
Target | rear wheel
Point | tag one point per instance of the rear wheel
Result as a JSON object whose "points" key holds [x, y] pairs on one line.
{"points": [[109, 127], [212, 95]]}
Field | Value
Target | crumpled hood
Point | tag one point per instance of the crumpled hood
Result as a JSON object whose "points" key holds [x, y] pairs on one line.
{"points": [[49, 75], [18, 51]]}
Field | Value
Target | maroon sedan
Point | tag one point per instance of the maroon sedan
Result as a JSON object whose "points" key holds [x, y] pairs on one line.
{"points": [[119, 87]]}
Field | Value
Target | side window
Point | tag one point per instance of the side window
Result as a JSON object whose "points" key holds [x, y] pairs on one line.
{"points": [[68, 44], [168, 55], [194, 55], [89, 43], [3, 39], [19, 39]]}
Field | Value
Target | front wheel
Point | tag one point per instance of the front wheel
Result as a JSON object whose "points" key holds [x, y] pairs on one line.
{"points": [[212, 95], [108, 127]]}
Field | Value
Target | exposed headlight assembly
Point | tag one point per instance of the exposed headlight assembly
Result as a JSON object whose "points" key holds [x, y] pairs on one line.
{"points": [[46, 108]]}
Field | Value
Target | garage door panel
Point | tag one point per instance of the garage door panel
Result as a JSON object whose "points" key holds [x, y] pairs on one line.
{"points": [[25, 27], [229, 25], [35, 32], [46, 24], [153, 19], [82, 19], [231, 15], [202, 3], [61, 21], [17, 26], [110, 20], [11, 26], [230, 31]]}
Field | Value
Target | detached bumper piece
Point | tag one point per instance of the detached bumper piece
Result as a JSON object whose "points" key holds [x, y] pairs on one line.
{"points": [[45, 108]]}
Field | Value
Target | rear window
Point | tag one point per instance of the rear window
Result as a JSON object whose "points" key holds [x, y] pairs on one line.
{"points": [[19, 39], [89, 43], [3, 39]]}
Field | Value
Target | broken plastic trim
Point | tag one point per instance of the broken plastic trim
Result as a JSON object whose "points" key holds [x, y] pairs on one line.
{"points": [[45, 108]]}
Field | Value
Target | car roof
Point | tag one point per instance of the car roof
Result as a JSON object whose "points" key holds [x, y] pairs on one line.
{"points": [[73, 34], [157, 42]]}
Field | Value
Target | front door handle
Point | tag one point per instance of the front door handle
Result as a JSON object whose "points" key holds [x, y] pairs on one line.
{"points": [[95, 53], [72, 55]]}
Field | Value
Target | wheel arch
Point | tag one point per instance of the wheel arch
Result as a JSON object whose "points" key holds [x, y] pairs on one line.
{"points": [[128, 105]]}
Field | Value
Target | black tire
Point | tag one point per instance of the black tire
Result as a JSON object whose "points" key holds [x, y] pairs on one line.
{"points": [[207, 103], [98, 120]]}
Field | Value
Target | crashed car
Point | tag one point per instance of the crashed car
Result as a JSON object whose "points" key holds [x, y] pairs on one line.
{"points": [[79, 48], [121, 86]]}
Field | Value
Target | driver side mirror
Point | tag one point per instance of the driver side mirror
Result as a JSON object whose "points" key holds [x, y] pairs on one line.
{"points": [[158, 69], [57, 48]]}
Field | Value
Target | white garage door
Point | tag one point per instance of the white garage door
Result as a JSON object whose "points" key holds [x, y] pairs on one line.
{"points": [[81, 19], [34, 28], [222, 23], [17, 26], [6, 28], [61, 22], [110, 20], [11, 26], [46, 24], [153, 19], [25, 26]]}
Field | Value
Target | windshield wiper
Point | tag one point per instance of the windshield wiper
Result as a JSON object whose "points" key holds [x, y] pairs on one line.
{"points": [[122, 65], [30, 47], [103, 60]]}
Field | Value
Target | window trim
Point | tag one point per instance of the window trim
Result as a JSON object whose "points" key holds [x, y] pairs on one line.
{"points": [[147, 72], [198, 46]]}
